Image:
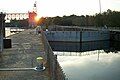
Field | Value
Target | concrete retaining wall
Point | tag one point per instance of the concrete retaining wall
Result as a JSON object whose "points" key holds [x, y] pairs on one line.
{"points": [[77, 36], [55, 70]]}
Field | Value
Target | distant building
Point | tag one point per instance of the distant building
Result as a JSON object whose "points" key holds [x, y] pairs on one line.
{"points": [[30, 16], [17, 16], [22, 16], [31, 19]]}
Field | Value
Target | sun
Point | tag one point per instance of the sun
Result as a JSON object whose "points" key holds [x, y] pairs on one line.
{"points": [[37, 18]]}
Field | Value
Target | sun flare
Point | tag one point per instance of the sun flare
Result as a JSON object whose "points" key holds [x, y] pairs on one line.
{"points": [[37, 18]]}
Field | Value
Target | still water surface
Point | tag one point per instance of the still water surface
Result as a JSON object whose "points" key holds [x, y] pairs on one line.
{"points": [[98, 60], [87, 67]]}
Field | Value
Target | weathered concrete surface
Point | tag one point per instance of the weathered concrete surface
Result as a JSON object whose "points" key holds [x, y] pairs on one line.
{"points": [[26, 47]]}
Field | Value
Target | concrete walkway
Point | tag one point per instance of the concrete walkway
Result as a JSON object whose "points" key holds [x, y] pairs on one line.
{"points": [[26, 47]]}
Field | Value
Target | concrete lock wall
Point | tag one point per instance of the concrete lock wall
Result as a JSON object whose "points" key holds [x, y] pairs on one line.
{"points": [[77, 36]]}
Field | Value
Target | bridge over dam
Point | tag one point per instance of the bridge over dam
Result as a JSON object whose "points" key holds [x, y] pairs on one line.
{"points": [[29, 58]]}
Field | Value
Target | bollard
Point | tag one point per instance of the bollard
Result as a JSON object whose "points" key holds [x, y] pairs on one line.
{"points": [[39, 63]]}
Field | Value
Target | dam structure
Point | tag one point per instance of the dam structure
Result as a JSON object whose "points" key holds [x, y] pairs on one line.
{"points": [[81, 39], [77, 35]]}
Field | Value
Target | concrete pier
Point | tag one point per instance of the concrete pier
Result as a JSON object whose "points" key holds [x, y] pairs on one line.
{"points": [[26, 47]]}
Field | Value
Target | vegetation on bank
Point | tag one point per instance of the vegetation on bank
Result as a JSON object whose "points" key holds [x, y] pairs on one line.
{"points": [[18, 23], [109, 18]]}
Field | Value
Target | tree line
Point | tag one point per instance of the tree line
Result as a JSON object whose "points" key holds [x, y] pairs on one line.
{"points": [[109, 18], [18, 23]]}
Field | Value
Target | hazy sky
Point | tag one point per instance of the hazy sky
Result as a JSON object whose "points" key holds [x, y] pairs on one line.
{"points": [[59, 7]]}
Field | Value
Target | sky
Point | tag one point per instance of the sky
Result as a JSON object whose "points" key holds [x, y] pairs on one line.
{"points": [[50, 8]]}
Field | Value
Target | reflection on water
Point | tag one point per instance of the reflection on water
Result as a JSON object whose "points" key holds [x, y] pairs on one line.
{"points": [[108, 46], [79, 47], [115, 45], [89, 68], [98, 60]]}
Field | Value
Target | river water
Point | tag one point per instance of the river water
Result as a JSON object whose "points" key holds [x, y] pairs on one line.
{"points": [[88, 67], [92, 63]]}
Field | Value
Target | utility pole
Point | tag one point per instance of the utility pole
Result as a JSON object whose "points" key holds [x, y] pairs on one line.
{"points": [[100, 5], [2, 30], [100, 13]]}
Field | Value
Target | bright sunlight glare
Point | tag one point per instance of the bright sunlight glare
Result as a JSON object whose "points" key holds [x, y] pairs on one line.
{"points": [[37, 18]]}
